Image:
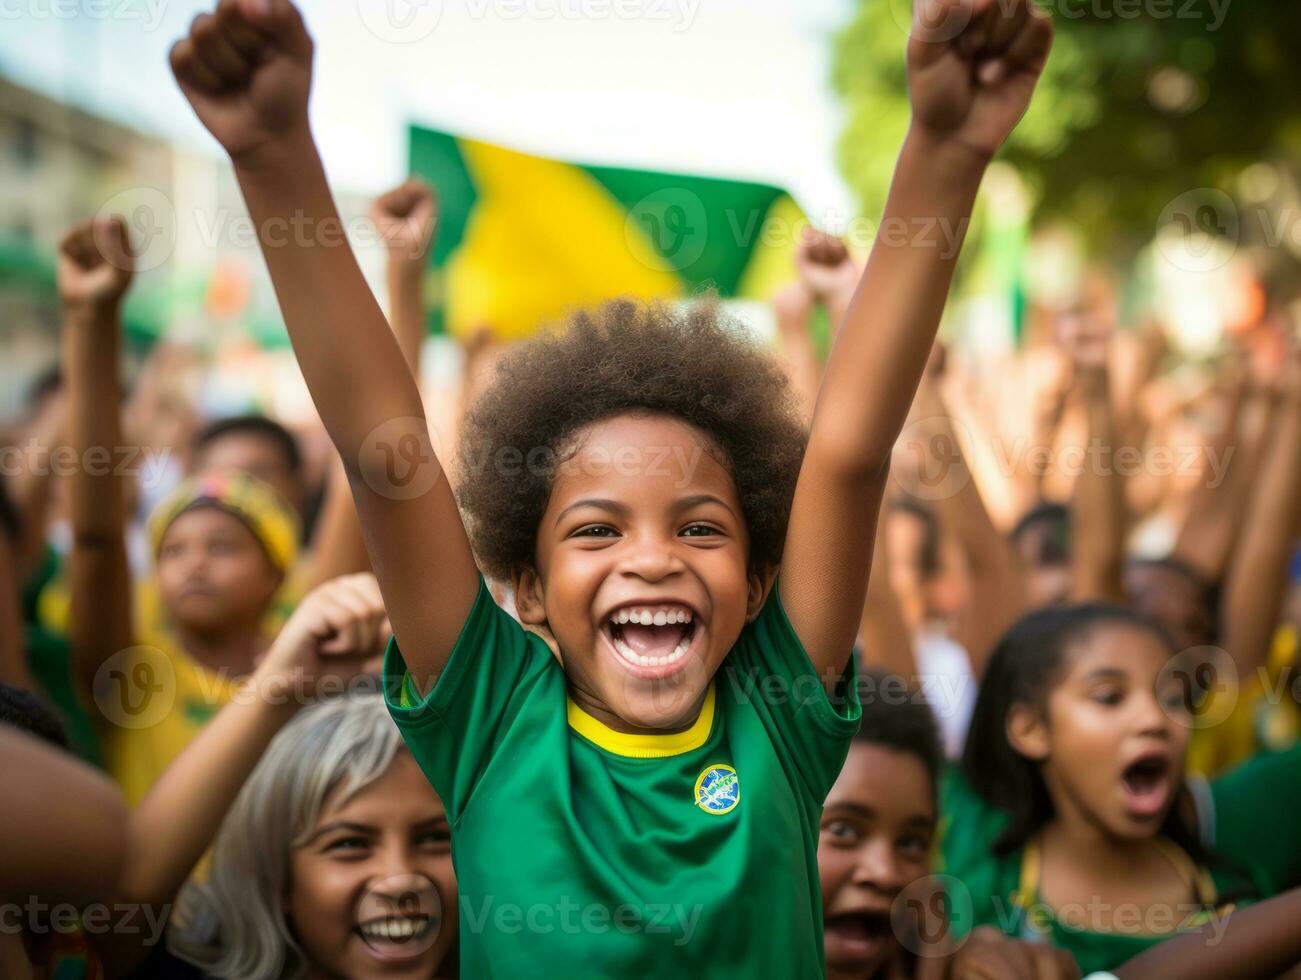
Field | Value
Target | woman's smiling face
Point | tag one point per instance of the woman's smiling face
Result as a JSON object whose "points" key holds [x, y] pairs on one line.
{"points": [[642, 571], [372, 891]]}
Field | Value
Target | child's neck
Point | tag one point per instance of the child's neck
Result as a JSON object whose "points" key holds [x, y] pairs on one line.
{"points": [[594, 707], [232, 651]]}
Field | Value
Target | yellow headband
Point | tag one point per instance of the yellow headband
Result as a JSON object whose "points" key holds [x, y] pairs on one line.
{"points": [[252, 501]]}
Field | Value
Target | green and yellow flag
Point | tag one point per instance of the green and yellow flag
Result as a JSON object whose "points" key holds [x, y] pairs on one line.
{"points": [[523, 240]]}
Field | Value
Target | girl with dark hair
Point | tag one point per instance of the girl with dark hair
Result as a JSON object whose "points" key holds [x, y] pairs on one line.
{"points": [[1071, 821]]}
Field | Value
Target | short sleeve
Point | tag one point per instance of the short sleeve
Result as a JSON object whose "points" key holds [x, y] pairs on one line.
{"points": [[1255, 817], [770, 670], [495, 676]]}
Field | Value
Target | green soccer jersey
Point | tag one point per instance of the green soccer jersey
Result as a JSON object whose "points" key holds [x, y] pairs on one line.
{"points": [[1004, 889], [582, 851]]}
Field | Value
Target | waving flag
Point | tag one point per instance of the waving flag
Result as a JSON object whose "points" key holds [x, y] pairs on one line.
{"points": [[523, 239]]}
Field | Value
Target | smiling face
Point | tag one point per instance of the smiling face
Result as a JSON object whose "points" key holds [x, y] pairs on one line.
{"points": [[212, 572], [642, 573], [372, 890], [877, 827], [1113, 743]]}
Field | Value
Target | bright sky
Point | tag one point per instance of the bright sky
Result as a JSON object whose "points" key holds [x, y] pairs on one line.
{"points": [[729, 87]]}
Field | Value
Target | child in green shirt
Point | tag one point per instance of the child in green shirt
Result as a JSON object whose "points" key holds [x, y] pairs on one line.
{"points": [[1069, 822], [644, 800]]}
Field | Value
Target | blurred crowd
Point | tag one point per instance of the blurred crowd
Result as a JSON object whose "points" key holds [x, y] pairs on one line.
{"points": [[190, 634]]}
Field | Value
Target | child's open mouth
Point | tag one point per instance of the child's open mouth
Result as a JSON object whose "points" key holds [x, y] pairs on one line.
{"points": [[651, 639], [858, 937], [1146, 784]]}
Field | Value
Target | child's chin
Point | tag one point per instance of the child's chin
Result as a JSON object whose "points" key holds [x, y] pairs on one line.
{"points": [[669, 709]]}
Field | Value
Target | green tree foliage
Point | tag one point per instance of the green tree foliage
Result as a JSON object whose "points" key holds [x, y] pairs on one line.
{"points": [[1142, 101]]}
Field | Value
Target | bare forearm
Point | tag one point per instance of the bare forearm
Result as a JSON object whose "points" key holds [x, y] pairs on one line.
{"points": [[1257, 943], [887, 642], [1257, 579], [176, 823], [339, 548], [879, 354], [1215, 514], [99, 574], [407, 308], [1099, 504], [994, 576], [353, 366]]}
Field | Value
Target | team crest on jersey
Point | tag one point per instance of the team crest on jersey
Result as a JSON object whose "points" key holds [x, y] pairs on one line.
{"points": [[718, 790]]}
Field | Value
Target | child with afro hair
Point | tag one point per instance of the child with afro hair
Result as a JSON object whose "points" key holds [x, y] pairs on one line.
{"points": [[636, 802]]}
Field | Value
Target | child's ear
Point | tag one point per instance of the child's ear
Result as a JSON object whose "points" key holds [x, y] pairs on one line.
{"points": [[1027, 732], [528, 596], [757, 588]]}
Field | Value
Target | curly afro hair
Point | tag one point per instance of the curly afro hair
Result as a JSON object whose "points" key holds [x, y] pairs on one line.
{"points": [[627, 358]]}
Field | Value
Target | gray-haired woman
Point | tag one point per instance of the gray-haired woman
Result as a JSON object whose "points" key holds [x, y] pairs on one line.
{"points": [[334, 858]]}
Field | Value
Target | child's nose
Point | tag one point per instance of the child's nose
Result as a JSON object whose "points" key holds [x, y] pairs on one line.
{"points": [[651, 558]]}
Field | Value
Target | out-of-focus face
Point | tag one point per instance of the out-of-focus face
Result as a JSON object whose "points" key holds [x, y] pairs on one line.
{"points": [[372, 890], [1113, 743], [875, 840], [941, 593], [212, 572], [1045, 583], [256, 455], [905, 536], [1173, 600], [642, 571]]}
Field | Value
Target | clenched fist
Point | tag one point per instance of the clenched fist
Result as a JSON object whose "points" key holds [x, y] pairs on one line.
{"points": [[973, 65], [95, 264], [247, 69]]}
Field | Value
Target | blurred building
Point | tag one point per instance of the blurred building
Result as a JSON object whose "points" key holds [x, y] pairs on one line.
{"points": [[201, 278]]}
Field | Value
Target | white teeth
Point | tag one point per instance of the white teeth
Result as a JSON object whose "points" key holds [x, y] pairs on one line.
{"points": [[645, 617], [633, 657], [393, 928]]}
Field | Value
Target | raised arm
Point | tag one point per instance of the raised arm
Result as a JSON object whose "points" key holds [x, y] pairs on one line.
{"points": [[1257, 578], [1098, 498], [336, 631], [967, 93], [405, 218], [246, 70], [94, 272], [995, 579]]}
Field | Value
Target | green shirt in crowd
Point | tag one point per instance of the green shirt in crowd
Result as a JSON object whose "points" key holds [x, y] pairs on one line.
{"points": [[582, 851], [1246, 819]]}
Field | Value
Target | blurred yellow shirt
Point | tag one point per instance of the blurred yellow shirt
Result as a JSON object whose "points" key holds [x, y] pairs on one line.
{"points": [[1264, 718]]}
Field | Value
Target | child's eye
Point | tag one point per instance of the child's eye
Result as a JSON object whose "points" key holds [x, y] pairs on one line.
{"points": [[595, 531], [1109, 696], [699, 530], [841, 831], [915, 846]]}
